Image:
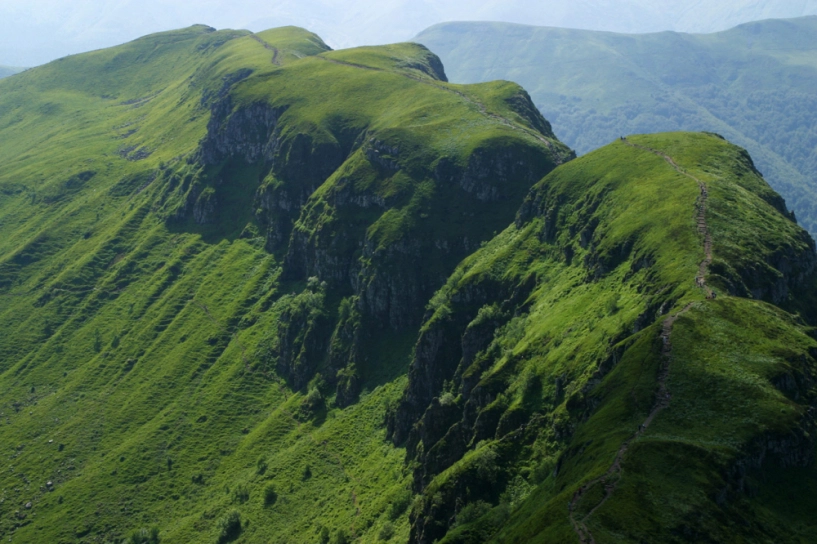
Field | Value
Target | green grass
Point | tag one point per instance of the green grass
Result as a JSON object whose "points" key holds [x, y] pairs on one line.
{"points": [[754, 84], [723, 400], [145, 357]]}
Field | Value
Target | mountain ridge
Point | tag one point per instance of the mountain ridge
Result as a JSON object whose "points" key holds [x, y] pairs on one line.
{"points": [[504, 303], [91, 24]]}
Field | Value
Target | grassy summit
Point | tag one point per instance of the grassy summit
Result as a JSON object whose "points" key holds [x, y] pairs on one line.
{"points": [[217, 249]]}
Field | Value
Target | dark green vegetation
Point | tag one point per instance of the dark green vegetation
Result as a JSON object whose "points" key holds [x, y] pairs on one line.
{"points": [[6, 71], [216, 252], [253, 290], [755, 84]]}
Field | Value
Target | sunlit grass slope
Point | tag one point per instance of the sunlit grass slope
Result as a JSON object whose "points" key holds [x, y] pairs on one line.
{"points": [[205, 305], [542, 357]]}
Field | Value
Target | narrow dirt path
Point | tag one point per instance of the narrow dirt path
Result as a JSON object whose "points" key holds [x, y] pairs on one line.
{"points": [[703, 229], [468, 99], [612, 476], [275, 52]]}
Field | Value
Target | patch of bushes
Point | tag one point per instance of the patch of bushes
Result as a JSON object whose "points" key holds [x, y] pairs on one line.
{"points": [[312, 403], [270, 495], [399, 504], [229, 527], [386, 532], [145, 535], [341, 537], [241, 494], [472, 512], [261, 466]]}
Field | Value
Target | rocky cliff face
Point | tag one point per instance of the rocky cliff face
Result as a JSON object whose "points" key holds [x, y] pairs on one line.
{"points": [[393, 281], [786, 270], [249, 133], [293, 166], [385, 244], [451, 405]]}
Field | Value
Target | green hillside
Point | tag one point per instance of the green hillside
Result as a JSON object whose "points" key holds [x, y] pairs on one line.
{"points": [[6, 71], [754, 84], [599, 372], [253, 290], [216, 252]]}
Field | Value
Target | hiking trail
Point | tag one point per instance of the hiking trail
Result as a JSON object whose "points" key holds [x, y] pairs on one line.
{"points": [[703, 229], [612, 476], [269, 47]]}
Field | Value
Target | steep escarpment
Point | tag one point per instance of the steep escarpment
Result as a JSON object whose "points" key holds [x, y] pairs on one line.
{"points": [[217, 248], [539, 377], [379, 209]]}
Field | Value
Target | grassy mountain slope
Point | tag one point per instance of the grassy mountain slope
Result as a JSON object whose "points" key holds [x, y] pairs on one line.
{"points": [[575, 380], [254, 290], [216, 251], [754, 84]]}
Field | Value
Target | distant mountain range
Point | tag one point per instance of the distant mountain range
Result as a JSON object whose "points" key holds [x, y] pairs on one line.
{"points": [[6, 71], [41, 30], [755, 84]]}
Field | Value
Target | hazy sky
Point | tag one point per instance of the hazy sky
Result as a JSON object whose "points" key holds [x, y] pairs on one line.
{"points": [[35, 31]]}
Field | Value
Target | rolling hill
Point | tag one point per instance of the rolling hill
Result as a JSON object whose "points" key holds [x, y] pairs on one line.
{"points": [[754, 84], [255, 290]]}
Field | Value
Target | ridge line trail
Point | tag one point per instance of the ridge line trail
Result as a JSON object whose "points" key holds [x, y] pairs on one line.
{"points": [[479, 105], [663, 395], [269, 47], [703, 229]]}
